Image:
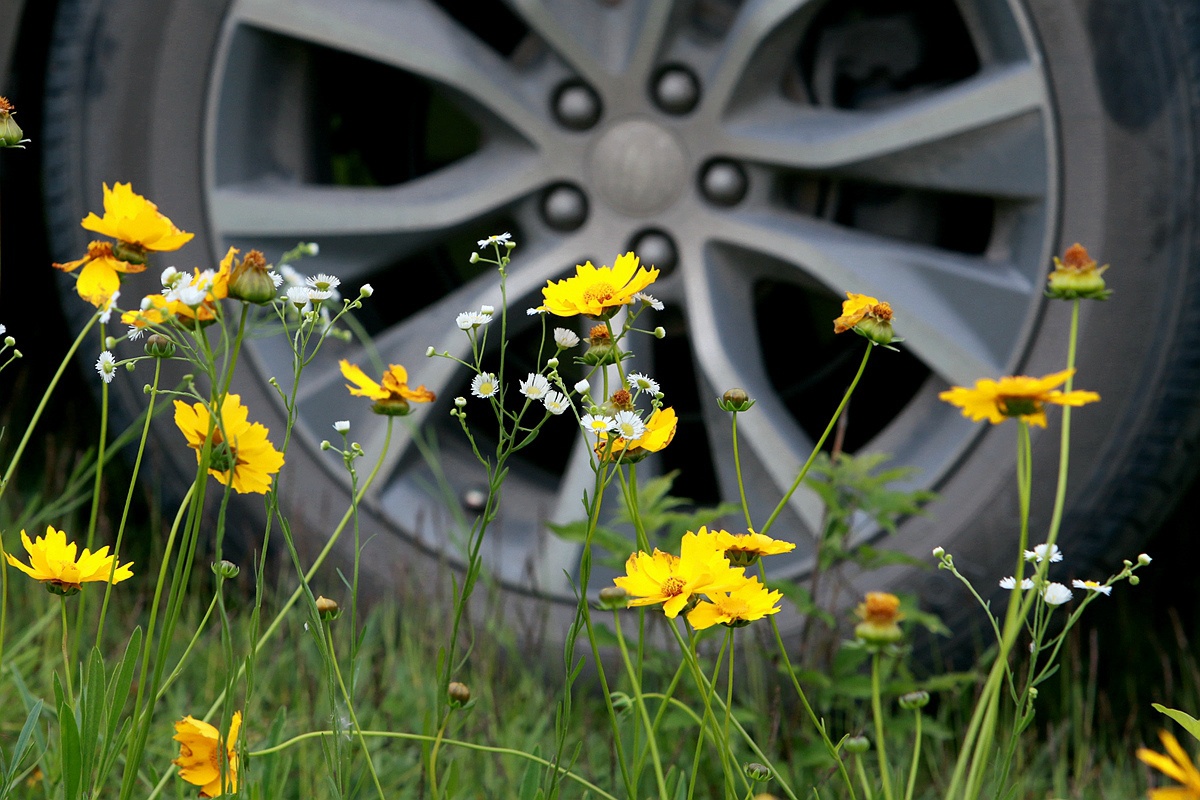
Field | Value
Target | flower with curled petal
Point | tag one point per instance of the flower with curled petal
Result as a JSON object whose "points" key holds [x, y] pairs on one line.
{"points": [[660, 577], [200, 758], [1175, 764], [658, 433], [735, 608], [392, 395], [1016, 396], [134, 220], [597, 292], [62, 567]]}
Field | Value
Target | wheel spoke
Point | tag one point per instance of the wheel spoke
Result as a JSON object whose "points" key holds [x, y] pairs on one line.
{"points": [[415, 36], [718, 300], [650, 26], [988, 151], [756, 21], [491, 179], [960, 314], [574, 43]]}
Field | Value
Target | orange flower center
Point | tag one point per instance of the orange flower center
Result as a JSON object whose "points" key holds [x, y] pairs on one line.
{"points": [[733, 607], [673, 586], [883, 312], [1077, 257], [5, 105], [881, 607], [622, 399], [598, 293], [100, 250], [254, 259]]}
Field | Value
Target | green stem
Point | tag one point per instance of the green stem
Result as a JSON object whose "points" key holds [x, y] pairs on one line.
{"points": [[885, 772], [12, 468], [737, 464], [641, 706], [916, 760], [66, 654], [820, 442], [97, 484], [137, 463], [337, 670], [418, 737]]}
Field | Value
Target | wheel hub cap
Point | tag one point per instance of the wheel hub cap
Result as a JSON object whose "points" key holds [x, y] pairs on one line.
{"points": [[638, 168]]}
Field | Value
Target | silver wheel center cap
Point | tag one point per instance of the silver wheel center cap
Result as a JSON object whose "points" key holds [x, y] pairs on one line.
{"points": [[638, 167]]}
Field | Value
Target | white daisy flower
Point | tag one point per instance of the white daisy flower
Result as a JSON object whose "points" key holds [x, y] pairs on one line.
{"points": [[595, 424], [170, 276], [500, 239], [629, 425], [313, 248], [565, 339], [1144, 559], [342, 425], [1092, 586], [290, 275], [649, 300], [1055, 594], [191, 295], [135, 333], [1011, 583], [108, 308], [317, 295], [276, 278], [106, 365], [484, 385], [298, 295], [535, 386], [486, 309], [643, 383], [471, 319], [1039, 553], [146, 303], [204, 280], [3, 330], [556, 402], [533, 312], [323, 283], [366, 290], [583, 386]]}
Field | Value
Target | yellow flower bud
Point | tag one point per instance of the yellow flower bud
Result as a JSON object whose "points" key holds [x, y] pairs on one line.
{"points": [[1076, 276]]}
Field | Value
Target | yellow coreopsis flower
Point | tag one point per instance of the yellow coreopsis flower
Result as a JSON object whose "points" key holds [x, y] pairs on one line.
{"points": [[879, 614], [1017, 396], [736, 608], [743, 549], [57, 563], [134, 220], [392, 396], [660, 430], [597, 291], [200, 757], [249, 459], [100, 276], [660, 577], [1175, 765]]}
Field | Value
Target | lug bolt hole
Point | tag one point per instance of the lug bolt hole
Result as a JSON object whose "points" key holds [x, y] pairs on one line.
{"points": [[676, 89], [655, 249], [564, 207], [724, 182], [576, 106]]}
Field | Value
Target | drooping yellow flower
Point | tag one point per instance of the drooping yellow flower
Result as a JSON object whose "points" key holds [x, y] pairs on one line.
{"points": [[100, 275], [673, 580], [200, 757], [744, 549], [53, 561], [1077, 276], [597, 291], [392, 396], [134, 220], [660, 430], [249, 457], [736, 608], [1175, 764], [866, 316], [1017, 396], [879, 614]]}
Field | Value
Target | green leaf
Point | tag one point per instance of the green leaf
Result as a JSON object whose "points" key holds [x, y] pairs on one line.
{"points": [[529, 782], [92, 705], [23, 742], [122, 680], [72, 764], [1190, 724]]}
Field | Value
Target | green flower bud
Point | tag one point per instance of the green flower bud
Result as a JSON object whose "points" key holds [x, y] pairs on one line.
{"points": [[735, 399], [856, 745], [159, 346], [914, 700], [392, 407], [757, 772], [250, 280], [613, 597], [458, 693], [10, 131], [129, 252], [226, 569], [1076, 276], [328, 609]]}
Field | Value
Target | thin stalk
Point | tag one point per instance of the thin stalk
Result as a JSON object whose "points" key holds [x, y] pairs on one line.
{"points": [[418, 737], [817, 447], [337, 670], [97, 484], [916, 759], [737, 463], [12, 468], [66, 653], [885, 771], [137, 464], [641, 706]]}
